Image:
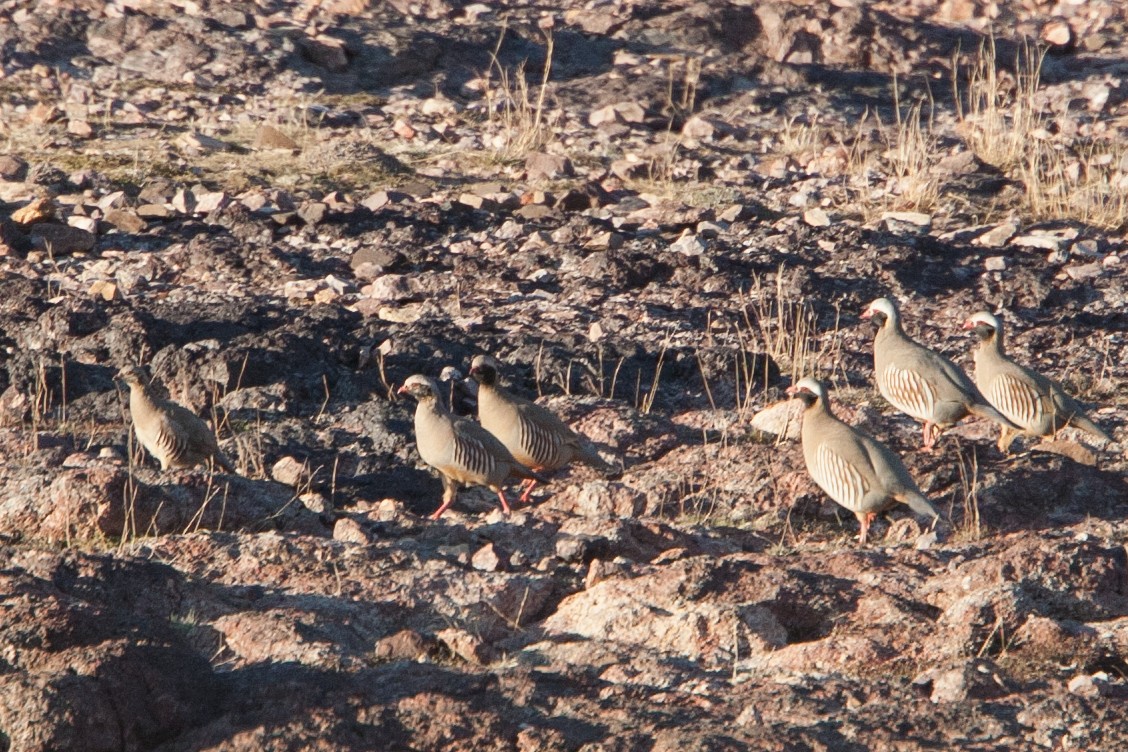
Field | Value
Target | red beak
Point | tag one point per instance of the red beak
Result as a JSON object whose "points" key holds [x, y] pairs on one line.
{"points": [[867, 313], [792, 390], [402, 389], [969, 324]]}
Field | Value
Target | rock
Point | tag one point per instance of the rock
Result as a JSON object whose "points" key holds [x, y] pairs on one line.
{"points": [[390, 288], [405, 645], [603, 116], [736, 213], [782, 419], [380, 199], [61, 240], [12, 169], [196, 142], [326, 52], [475, 201], [997, 236], [80, 128], [212, 201], [1081, 272], [816, 218], [540, 166], [486, 559], [699, 128], [689, 245], [153, 211], [1058, 35], [39, 210], [184, 201], [313, 212], [995, 263], [349, 530], [125, 220], [290, 472], [1084, 685], [268, 137], [371, 262], [630, 112], [104, 290], [907, 222], [466, 646]]}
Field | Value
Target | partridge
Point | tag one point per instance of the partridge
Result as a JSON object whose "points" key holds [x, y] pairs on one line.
{"points": [[463, 452], [534, 435], [1034, 403], [919, 382], [852, 468], [176, 436], [462, 393]]}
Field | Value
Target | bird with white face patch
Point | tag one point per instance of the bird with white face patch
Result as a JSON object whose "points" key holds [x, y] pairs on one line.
{"points": [[534, 435], [463, 452], [919, 382], [1037, 405], [853, 468]]}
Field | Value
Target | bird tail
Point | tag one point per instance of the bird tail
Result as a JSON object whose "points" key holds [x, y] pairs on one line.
{"points": [[983, 410], [520, 471], [1083, 422]]}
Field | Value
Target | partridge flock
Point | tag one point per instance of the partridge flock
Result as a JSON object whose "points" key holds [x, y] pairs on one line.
{"points": [[863, 475], [462, 451], [515, 438]]}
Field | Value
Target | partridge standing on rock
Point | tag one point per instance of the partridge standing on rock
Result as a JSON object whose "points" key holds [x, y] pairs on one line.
{"points": [[1034, 403], [534, 435], [462, 451], [920, 382], [851, 467], [176, 436]]}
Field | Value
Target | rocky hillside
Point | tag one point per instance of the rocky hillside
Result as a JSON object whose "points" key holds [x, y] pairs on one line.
{"points": [[657, 215]]}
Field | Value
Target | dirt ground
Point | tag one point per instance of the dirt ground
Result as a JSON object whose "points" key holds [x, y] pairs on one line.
{"points": [[657, 215]]}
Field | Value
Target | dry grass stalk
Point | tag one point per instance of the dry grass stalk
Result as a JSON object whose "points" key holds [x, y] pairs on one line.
{"points": [[512, 106]]}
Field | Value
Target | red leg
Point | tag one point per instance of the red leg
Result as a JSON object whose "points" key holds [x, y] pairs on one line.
{"points": [[504, 503], [442, 508], [450, 490], [931, 431], [527, 488], [864, 520]]}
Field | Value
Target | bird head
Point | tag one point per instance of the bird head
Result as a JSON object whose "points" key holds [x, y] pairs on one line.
{"points": [[984, 324], [880, 310], [133, 376], [484, 369], [420, 387], [809, 390]]}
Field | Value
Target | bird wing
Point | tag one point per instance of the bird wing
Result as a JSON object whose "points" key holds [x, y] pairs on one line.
{"points": [[1018, 397], [840, 467]]}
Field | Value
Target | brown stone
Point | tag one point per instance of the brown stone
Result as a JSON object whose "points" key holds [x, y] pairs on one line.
{"points": [[269, 137], [125, 220], [39, 210], [61, 240]]}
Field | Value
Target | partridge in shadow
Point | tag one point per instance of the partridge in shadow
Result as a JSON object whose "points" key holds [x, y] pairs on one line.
{"points": [[851, 467], [463, 452], [1036, 405], [176, 436], [534, 435], [919, 382]]}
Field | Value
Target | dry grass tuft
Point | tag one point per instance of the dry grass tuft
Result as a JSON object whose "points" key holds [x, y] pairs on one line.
{"points": [[514, 108], [1065, 177]]}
